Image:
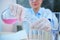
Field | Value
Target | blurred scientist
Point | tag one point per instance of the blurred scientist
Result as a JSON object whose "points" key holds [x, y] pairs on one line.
{"points": [[36, 16]]}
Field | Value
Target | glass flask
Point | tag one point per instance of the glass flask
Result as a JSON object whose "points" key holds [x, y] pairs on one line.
{"points": [[7, 17]]}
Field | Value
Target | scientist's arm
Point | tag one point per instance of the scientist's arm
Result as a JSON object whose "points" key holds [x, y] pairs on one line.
{"points": [[54, 22]]}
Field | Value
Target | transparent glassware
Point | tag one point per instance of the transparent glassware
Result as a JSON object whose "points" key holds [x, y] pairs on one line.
{"points": [[7, 17]]}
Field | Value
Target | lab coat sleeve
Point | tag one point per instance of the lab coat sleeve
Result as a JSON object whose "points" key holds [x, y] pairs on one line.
{"points": [[25, 25], [53, 19], [54, 22]]}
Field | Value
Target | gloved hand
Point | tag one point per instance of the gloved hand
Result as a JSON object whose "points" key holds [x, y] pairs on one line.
{"points": [[17, 10], [42, 24]]}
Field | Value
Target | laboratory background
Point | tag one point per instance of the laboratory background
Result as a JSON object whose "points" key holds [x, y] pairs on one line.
{"points": [[53, 5]]}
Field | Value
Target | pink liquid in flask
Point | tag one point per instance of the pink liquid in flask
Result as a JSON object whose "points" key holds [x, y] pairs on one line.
{"points": [[9, 21]]}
